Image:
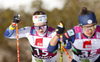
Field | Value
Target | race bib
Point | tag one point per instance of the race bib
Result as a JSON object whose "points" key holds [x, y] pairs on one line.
{"points": [[42, 53]]}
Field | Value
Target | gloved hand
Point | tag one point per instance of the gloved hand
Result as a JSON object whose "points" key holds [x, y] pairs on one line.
{"points": [[60, 28], [16, 19], [14, 22]]}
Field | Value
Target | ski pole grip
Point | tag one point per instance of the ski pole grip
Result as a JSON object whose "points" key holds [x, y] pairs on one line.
{"points": [[66, 35], [61, 23], [18, 15]]}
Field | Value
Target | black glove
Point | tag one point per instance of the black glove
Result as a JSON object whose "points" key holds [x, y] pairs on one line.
{"points": [[16, 19], [60, 28]]}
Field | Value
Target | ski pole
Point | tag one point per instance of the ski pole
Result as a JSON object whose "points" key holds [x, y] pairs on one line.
{"points": [[61, 58], [61, 50], [18, 57], [67, 53]]}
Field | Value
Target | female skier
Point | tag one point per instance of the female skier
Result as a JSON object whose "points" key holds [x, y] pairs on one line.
{"points": [[39, 36], [84, 39]]}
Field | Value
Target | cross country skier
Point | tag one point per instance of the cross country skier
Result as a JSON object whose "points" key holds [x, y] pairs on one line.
{"points": [[83, 39], [39, 36]]}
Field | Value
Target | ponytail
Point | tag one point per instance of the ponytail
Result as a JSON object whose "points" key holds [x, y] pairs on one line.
{"points": [[84, 11]]}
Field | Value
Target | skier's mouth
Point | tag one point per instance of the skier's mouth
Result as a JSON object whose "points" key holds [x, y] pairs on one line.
{"points": [[41, 31], [89, 34]]}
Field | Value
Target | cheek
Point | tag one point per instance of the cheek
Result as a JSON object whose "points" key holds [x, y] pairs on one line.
{"points": [[44, 30], [37, 30], [84, 32], [93, 31]]}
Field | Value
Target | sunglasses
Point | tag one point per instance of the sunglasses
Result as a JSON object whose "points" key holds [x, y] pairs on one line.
{"points": [[87, 28], [40, 27]]}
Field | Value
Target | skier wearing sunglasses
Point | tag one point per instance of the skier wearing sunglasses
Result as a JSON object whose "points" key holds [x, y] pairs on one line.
{"points": [[39, 36], [84, 39]]}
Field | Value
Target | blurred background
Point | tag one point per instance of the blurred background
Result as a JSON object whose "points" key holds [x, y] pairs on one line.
{"points": [[65, 10]]}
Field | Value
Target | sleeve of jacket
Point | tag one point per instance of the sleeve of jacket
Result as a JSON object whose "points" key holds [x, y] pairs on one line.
{"points": [[12, 33], [52, 48], [71, 34]]}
